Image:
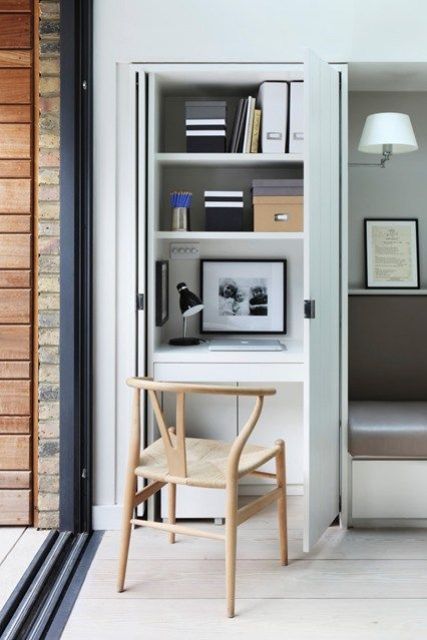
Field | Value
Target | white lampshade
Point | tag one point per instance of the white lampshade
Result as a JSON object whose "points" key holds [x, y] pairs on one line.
{"points": [[391, 129]]}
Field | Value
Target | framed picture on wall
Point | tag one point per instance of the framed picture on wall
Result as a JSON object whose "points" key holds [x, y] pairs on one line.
{"points": [[391, 253], [243, 296], [162, 292]]}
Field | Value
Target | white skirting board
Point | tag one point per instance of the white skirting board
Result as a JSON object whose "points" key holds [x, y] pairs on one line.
{"points": [[109, 517], [106, 517], [389, 489]]}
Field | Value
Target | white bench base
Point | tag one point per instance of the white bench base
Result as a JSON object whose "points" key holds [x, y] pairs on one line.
{"points": [[388, 489]]}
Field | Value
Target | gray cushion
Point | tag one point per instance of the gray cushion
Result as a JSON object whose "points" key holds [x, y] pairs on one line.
{"points": [[388, 429]]}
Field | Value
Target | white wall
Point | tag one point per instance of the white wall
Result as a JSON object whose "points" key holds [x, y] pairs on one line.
{"points": [[263, 31], [400, 190], [199, 31]]}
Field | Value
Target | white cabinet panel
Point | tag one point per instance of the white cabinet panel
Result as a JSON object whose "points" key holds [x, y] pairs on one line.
{"points": [[206, 417], [281, 418], [192, 502]]}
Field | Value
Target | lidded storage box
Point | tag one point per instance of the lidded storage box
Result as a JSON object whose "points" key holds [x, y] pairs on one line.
{"points": [[278, 205], [224, 210], [205, 126]]}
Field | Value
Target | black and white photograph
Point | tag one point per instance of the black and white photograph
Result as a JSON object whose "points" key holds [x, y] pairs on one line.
{"points": [[244, 296]]}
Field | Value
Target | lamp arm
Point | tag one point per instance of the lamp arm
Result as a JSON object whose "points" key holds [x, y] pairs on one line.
{"points": [[381, 164], [385, 158]]}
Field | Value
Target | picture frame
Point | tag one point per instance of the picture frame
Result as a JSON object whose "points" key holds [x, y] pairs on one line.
{"points": [[162, 292], [391, 253], [243, 296]]}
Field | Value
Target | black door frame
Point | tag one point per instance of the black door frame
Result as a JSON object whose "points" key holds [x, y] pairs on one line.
{"points": [[39, 605], [76, 266]]}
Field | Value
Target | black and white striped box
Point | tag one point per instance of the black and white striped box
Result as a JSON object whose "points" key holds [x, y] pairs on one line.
{"points": [[224, 210], [206, 126]]}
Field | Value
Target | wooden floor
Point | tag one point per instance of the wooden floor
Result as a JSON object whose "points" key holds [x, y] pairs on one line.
{"points": [[18, 546], [355, 584]]}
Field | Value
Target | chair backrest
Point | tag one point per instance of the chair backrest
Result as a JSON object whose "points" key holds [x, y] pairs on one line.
{"points": [[174, 436]]}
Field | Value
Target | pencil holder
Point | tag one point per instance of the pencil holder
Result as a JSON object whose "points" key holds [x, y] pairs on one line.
{"points": [[180, 201], [180, 219]]}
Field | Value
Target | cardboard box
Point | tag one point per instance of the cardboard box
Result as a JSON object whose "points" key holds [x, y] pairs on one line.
{"points": [[278, 213]]}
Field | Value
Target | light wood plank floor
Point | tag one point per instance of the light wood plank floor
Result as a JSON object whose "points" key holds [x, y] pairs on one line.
{"points": [[369, 584], [18, 546]]}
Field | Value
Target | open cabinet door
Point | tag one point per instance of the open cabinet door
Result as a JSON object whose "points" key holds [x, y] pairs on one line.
{"points": [[129, 239], [321, 285], [140, 139], [140, 88]]}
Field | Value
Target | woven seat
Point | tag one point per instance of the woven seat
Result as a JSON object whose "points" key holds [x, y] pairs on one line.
{"points": [[206, 462]]}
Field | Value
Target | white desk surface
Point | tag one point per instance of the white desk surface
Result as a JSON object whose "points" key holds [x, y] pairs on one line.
{"points": [[201, 354]]}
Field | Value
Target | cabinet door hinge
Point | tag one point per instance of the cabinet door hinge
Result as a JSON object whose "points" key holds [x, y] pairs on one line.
{"points": [[309, 309], [140, 301]]}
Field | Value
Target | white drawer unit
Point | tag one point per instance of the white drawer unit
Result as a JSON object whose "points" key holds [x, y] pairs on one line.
{"points": [[222, 418], [206, 417], [230, 372]]}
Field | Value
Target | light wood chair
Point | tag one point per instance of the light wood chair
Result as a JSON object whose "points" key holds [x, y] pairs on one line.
{"points": [[175, 459]]}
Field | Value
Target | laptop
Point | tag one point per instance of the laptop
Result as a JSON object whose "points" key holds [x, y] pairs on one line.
{"points": [[246, 345]]}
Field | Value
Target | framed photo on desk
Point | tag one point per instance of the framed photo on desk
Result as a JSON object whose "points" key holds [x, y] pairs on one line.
{"points": [[391, 253], [243, 296]]}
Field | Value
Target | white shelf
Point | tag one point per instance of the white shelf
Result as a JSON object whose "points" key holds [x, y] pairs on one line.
{"points": [[236, 159], [293, 354], [387, 292], [228, 235]]}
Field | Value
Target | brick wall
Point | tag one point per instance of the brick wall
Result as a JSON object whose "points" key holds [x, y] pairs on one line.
{"points": [[48, 267]]}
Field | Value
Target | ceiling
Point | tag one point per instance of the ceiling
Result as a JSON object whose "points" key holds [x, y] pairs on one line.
{"points": [[387, 76]]}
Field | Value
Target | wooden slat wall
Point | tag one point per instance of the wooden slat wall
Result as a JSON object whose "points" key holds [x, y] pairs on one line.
{"points": [[16, 259]]}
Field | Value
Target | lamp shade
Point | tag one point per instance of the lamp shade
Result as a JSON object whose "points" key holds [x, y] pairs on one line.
{"points": [[189, 303], [388, 129]]}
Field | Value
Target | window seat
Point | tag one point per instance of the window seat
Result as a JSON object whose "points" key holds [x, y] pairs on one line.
{"points": [[388, 429]]}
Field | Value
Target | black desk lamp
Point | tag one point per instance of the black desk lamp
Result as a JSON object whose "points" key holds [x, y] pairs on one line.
{"points": [[189, 304]]}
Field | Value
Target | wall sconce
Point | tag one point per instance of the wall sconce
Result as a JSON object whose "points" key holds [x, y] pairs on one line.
{"points": [[386, 133]]}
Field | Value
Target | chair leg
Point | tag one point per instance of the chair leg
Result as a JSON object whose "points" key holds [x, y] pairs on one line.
{"points": [[171, 508], [130, 491], [230, 547], [281, 502]]}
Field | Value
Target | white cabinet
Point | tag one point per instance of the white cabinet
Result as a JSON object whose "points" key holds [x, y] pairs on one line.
{"points": [[306, 409]]}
